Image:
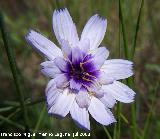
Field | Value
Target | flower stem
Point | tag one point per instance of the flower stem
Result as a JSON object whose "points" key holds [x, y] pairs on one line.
{"points": [[11, 122], [150, 114], [123, 30], [107, 132], [39, 120], [13, 67], [137, 28], [19, 106]]}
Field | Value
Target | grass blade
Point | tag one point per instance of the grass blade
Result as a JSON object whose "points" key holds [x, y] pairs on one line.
{"points": [[11, 115], [150, 114], [13, 67], [11, 122], [8, 108], [123, 30], [137, 28], [39, 120], [130, 80], [107, 132]]}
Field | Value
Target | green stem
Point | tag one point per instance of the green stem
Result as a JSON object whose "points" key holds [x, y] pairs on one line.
{"points": [[119, 121], [137, 29], [18, 106], [133, 112], [39, 121], [107, 132], [13, 67], [129, 81], [123, 30], [11, 122], [149, 116], [119, 55], [11, 115]]}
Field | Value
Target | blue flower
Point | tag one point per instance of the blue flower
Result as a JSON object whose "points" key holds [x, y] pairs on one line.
{"points": [[82, 81]]}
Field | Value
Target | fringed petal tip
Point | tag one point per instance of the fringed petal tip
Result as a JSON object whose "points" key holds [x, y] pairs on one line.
{"points": [[102, 18], [61, 9]]}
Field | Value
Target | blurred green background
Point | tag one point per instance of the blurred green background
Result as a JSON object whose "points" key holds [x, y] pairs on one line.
{"points": [[21, 15]]}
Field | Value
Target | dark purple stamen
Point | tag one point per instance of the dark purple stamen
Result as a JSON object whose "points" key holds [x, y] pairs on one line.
{"points": [[83, 71]]}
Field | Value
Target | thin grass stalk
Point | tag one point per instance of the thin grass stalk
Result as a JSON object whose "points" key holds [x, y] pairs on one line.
{"points": [[11, 115], [39, 121], [137, 29], [115, 131], [130, 80], [13, 67], [150, 114], [117, 127], [107, 132], [2, 118], [119, 121], [123, 30], [9, 108], [133, 113], [119, 106]]}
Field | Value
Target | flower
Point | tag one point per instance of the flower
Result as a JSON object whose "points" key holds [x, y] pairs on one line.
{"points": [[82, 80]]}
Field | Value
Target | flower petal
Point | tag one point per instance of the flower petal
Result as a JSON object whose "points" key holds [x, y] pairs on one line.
{"points": [[101, 114], [63, 27], [66, 49], [49, 69], [120, 92], [52, 93], [104, 79], [77, 55], [62, 104], [84, 45], [61, 81], [108, 100], [118, 68], [74, 84], [94, 30], [61, 64], [80, 116], [100, 52], [43, 45], [82, 99], [99, 56]]}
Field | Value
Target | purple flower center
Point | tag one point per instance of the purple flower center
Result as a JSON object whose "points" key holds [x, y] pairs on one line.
{"points": [[82, 71]]}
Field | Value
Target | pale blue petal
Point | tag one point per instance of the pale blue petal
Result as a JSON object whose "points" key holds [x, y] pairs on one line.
{"points": [[101, 114], [120, 92], [82, 98], [80, 116], [118, 68], [105, 79], [52, 93], [61, 64], [63, 104], [64, 28], [66, 49], [84, 45], [49, 69], [99, 94], [43, 45], [108, 100], [74, 84], [99, 56], [94, 30], [61, 81], [77, 55]]}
